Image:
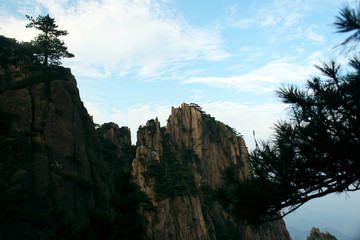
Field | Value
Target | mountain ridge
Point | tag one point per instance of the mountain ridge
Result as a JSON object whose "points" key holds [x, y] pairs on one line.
{"points": [[64, 177]]}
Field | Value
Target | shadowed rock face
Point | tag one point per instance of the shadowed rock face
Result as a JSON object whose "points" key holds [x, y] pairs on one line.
{"points": [[192, 151], [51, 167]]}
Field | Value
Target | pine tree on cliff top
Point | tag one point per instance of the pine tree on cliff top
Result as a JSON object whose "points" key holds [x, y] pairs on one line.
{"points": [[314, 153], [49, 48]]}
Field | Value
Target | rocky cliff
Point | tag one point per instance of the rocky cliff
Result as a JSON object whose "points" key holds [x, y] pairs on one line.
{"points": [[52, 172], [180, 166]]}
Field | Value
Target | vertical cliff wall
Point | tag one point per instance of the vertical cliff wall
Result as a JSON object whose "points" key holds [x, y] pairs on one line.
{"points": [[180, 167], [60, 178], [52, 172]]}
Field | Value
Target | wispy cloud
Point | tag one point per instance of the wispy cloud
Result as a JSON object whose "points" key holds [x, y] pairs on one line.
{"points": [[278, 18], [315, 37], [283, 13], [264, 79], [120, 35]]}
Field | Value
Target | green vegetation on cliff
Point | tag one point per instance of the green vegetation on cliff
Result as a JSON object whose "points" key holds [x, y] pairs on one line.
{"points": [[19, 68], [172, 177]]}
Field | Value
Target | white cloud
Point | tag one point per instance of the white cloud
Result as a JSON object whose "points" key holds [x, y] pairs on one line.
{"points": [[270, 21], [136, 33], [122, 34], [316, 57], [261, 80], [15, 28], [315, 37]]}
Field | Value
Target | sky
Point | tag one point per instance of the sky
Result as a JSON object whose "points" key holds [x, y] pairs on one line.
{"points": [[135, 59]]}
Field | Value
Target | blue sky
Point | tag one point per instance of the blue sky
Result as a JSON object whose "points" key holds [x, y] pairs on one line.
{"points": [[135, 59]]}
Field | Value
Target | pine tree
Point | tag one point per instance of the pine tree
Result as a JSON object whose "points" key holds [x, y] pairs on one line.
{"points": [[49, 48], [314, 153]]}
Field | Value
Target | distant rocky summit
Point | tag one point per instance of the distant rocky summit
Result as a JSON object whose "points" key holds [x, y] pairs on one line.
{"points": [[179, 167], [315, 234]]}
